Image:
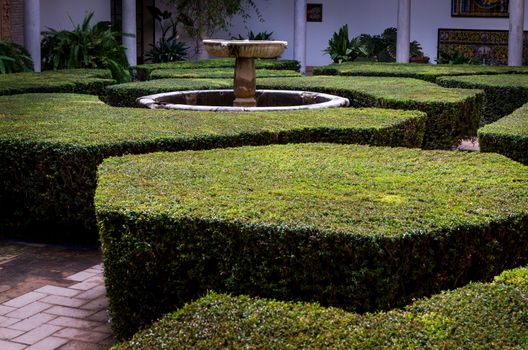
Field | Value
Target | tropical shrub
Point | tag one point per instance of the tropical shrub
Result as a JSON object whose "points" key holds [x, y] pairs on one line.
{"points": [[14, 58], [86, 47], [453, 57], [341, 49], [382, 48], [252, 36], [168, 48]]}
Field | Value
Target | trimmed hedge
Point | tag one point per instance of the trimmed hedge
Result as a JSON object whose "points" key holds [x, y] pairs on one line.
{"points": [[50, 149], [357, 227], [217, 73], [478, 316], [125, 95], [507, 136], [88, 81], [504, 93], [453, 114], [142, 72], [428, 72]]}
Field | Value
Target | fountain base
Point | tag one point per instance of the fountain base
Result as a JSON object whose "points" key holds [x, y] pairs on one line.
{"points": [[222, 100]]}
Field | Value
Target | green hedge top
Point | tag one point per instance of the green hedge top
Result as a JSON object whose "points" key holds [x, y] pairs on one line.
{"points": [[514, 125], [68, 80], [427, 72], [488, 81], [143, 71], [84, 120], [478, 316], [388, 89], [330, 188], [218, 73]]}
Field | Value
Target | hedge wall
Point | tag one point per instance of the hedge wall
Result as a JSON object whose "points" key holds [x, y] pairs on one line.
{"points": [[142, 72], [50, 149], [478, 316], [217, 73], [504, 93], [453, 114], [89, 81], [507, 136], [357, 227], [428, 72], [125, 95]]}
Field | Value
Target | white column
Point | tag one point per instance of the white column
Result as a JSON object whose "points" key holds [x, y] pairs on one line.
{"points": [[404, 31], [299, 45], [129, 27], [515, 37], [32, 31]]}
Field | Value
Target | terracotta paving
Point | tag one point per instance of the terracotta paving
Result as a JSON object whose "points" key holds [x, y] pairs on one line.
{"points": [[52, 298]]}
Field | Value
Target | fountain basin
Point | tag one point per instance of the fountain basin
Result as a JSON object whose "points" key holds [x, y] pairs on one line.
{"points": [[245, 48], [222, 101]]}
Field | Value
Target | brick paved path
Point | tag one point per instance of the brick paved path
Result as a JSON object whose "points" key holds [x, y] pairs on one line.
{"points": [[66, 313]]}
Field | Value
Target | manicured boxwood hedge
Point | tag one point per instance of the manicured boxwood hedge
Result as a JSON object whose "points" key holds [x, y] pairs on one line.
{"points": [[478, 316], [89, 81], [504, 93], [50, 149], [217, 73], [427, 72], [125, 95], [453, 114], [357, 227], [507, 136], [142, 72]]}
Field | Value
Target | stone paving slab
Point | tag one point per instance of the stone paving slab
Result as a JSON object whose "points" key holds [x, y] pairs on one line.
{"points": [[51, 306]]}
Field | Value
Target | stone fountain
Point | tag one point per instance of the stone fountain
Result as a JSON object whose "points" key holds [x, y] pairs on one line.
{"points": [[244, 96]]}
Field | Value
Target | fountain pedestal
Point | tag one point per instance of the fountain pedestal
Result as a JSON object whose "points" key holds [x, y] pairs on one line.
{"points": [[245, 52]]}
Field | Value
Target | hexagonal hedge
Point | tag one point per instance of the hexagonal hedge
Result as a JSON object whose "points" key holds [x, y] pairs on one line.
{"points": [[50, 149], [87, 81], [428, 72], [142, 72], [478, 316], [504, 93], [357, 227], [507, 136], [453, 114]]}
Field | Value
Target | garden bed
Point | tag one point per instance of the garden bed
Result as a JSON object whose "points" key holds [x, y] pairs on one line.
{"points": [[504, 93], [507, 136], [428, 72], [50, 149], [142, 72], [362, 228], [87, 81], [488, 315]]}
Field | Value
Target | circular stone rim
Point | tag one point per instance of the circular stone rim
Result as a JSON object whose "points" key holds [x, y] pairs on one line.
{"points": [[150, 102]]}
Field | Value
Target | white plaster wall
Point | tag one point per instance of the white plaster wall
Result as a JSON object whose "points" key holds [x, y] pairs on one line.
{"points": [[364, 16], [56, 13]]}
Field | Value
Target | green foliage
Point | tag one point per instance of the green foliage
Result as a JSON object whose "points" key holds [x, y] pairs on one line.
{"points": [[14, 58], [341, 49], [358, 227], [142, 72], [504, 93], [225, 73], [507, 136], [382, 48], [428, 72], [167, 48], [50, 149], [85, 81], [453, 57], [252, 36], [85, 47], [478, 316]]}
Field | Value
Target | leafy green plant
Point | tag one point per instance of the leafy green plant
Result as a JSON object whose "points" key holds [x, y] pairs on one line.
{"points": [[168, 48], [14, 58], [382, 48], [86, 47], [453, 57], [252, 36], [341, 49]]}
